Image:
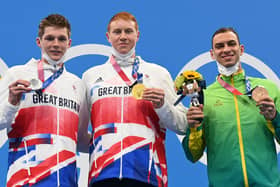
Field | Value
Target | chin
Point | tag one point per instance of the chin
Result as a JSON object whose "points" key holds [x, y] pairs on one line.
{"points": [[123, 52], [229, 64], [55, 58]]}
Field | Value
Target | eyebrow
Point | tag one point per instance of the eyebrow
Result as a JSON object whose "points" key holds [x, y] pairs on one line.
{"points": [[226, 42]]}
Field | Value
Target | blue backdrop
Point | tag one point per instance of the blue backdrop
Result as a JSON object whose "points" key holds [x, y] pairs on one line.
{"points": [[172, 33]]}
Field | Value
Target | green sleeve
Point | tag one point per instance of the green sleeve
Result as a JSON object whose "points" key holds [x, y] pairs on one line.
{"points": [[276, 121], [194, 143], [276, 125]]}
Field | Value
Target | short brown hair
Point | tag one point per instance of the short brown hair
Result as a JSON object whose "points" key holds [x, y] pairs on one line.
{"points": [[124, 16], [54, 20], [224, 30]]}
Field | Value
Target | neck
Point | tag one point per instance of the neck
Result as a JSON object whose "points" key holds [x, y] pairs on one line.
{"points": [[48, 60], [228, 71], [123, 57]]}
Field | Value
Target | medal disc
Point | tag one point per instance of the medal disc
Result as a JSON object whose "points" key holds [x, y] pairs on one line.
{"points": [[35, 84], [258, 93], [137, 91]]}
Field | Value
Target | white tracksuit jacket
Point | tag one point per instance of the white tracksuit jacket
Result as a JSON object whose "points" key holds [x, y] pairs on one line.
{"points": [[42, 130], [129, 134]]}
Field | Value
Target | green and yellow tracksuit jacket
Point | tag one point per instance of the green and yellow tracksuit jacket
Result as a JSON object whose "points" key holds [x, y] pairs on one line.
{"points": [[239, 141]]}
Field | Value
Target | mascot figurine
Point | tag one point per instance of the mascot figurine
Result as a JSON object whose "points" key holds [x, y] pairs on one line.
{"points": [[190, 83]]}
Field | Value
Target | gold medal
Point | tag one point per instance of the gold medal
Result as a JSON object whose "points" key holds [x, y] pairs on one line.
{"points": [[258, 93], [137, 91]]}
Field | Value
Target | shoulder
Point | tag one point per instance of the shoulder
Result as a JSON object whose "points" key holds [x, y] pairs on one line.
{"points": [[153, 67], [95, 71], [19, 71], [17, 68], [71, 76], [74, 80], [30, 65], [263, 82]]}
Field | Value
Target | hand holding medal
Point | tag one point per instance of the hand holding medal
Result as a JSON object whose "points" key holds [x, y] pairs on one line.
{"points": [[138, 90], [265, 103], [35, 84], [258, 93], [17, 89]]}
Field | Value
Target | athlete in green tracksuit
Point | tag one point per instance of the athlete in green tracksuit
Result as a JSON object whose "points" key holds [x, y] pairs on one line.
{"points": [[237, 131]]}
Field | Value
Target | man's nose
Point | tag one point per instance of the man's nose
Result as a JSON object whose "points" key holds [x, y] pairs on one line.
{"points": [[227, 48], [123, 36], [56, 42]]}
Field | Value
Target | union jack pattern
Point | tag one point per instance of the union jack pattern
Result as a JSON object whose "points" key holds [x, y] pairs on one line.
{"points": [[128, 134], [35, 151], [128, 145], [43, 130]]}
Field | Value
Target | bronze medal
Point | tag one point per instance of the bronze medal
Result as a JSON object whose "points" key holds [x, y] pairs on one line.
{"points": [[258, 93], [137, 91]]}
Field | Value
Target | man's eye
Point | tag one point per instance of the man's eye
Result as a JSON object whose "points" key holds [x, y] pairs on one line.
{"points": [[62, 38], [49, 38], [232, 43], [219, 46], [117, 31], [128, 31]]}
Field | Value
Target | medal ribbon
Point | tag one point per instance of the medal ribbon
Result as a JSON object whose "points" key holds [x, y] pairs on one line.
{"points": [[50, 79], [234, 90], [134, 73]]}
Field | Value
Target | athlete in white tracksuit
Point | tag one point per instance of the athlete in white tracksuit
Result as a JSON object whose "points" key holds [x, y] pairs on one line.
{"points": [[42, 130], [128, 133], [43, 125]]}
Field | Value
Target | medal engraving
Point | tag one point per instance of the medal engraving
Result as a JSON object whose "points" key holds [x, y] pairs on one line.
{"points": [[258, 93], [137, 91]]}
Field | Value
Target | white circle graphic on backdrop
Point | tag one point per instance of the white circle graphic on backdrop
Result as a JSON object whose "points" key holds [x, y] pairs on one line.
{"points": [[205, 58]]}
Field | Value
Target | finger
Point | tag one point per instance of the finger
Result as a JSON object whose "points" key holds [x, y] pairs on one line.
{"points": [[153, 91], [20, 88], [22, 82], [265, 99]]}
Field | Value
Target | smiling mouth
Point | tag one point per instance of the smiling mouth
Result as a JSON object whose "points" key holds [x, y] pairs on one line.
{"points": [[55, 52], [227, 56]]}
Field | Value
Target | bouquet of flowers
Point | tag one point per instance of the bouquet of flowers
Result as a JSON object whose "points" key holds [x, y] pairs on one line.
{"points": [[190, 83]]}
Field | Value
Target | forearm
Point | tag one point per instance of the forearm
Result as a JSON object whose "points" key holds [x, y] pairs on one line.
{"points": [[7, 114], [173, 118], [83, 134], [276, 126], [193, 143]]}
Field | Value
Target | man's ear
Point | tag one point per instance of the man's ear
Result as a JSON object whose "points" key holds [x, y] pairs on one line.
{"points": [[38, 42], [138, 35], [212, 54], [241, 49], [108, 37], [69, 43]]}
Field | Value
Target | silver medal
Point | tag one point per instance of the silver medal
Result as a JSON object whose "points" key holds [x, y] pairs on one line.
{"points": [[35, 84]]}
